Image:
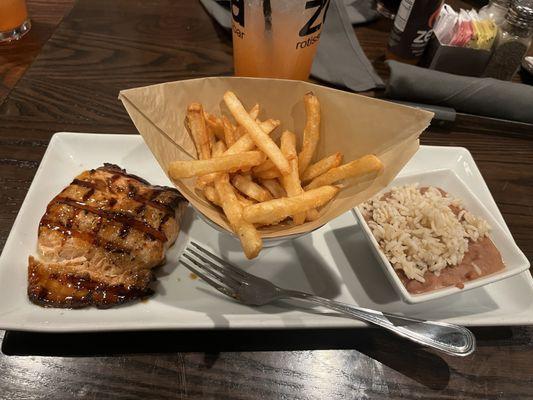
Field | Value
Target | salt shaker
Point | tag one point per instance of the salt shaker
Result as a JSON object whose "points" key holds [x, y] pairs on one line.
{"points": [[512, 41], [495, 10]]}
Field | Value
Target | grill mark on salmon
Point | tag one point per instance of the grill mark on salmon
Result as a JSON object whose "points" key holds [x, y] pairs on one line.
{"points": [[100, 237], [117, 216], [85, 236]]}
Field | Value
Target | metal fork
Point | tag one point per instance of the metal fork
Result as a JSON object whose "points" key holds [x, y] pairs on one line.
{"points": [[254, 291]]}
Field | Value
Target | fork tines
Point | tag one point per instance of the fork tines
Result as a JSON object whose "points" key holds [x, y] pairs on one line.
{"points": [[220, 274]]}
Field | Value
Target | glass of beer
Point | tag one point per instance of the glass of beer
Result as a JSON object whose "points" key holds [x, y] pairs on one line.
{"points": [[276, 38], [14, 21]]}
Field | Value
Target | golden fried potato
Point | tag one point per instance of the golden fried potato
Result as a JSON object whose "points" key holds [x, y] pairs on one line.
{"points": [[232, 162], [251, 241], [196, 126], [260, 138], [311, 131], [250, 188], [320, 167], [291, 181], [365, 165], [273, 211]]}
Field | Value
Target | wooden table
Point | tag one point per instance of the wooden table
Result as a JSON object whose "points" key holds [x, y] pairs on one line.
{"points": [[103, 46]]}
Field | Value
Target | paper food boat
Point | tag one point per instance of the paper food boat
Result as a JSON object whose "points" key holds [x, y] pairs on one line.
{"points": [[352, 124]]}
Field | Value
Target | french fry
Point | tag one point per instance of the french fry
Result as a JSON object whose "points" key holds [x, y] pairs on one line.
{"points": [[196, 125], [250, 188], [365, 165], [274, 187], [250, 239], [320, 167], [211, 194], [269, 174], [254, 111], [188, 169], [291, 181], [311, 131], [260, 138], [268, 164], [218, 148], [312, 215], [274, 211], [229, 131], [214, 124], [245, 202], [245, 142]]}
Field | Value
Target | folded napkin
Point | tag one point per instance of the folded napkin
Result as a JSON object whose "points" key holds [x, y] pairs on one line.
{"points": [[340, 60], [480, 96]]}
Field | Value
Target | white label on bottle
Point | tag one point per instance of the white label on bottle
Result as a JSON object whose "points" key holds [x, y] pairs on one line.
{"points": [[402, 16]]}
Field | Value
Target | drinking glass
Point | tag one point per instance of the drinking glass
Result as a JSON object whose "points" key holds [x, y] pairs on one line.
{"points": [[14, 21], [276, 38]]}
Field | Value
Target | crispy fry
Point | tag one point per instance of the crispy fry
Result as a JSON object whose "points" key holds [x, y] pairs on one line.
{"points": [[214, 124], [268, 164], [320, 167], [274, 187], [245, 202], [269, 174], [218, 148], [254, 111], [273, 211], [311, 131], [291, 181], [250, 239], [260, 138], [365, 165], [196, 126], [229, 131], [188, 169], [250, 188], [245, 142], [211, 194], [312, 215]]}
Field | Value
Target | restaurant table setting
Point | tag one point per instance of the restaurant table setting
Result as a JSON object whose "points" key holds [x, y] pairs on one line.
{"points": [[279, 231]]}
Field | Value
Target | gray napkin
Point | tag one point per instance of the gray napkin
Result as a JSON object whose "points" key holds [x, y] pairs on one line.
{"points": [[361, 11], [339, 59], [479, 96]]}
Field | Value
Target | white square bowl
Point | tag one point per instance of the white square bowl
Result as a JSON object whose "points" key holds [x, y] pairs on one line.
{"points": [[515, 261]]}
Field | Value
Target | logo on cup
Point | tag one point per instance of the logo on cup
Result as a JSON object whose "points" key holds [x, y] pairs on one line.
{"points": [[237, 11], [308, 28]]}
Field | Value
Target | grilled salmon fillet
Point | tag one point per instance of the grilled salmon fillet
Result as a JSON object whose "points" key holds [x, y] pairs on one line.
{"points": [[100, 238]]}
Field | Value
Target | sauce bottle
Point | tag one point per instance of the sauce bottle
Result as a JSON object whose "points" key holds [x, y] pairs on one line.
{"points": [[412, 29]]}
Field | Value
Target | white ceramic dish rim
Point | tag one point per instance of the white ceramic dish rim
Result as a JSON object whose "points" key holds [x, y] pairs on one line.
{"points": [[503, 310], [508, 272]]}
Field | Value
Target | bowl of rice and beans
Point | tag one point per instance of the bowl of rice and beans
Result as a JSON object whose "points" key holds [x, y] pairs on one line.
{"points": [[434, 239]]}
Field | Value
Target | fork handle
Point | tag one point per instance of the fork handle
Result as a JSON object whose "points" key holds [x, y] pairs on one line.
{"points": [[448, 338]]}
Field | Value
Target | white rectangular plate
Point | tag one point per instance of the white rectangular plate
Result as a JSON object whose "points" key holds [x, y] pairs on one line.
{"points": [[335, 261]]}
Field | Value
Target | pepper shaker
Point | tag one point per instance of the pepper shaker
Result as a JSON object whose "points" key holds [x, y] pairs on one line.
{"points": [[512, 41]]}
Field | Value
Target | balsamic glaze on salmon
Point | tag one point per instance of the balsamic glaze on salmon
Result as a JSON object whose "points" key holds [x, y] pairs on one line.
{"points": [[100, 238]]}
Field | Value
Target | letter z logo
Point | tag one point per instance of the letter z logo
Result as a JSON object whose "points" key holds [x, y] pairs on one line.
{"points": [[320, 5], [237, 11]]}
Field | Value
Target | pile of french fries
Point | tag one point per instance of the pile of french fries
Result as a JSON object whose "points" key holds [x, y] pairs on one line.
{"points": [[257, 182]]}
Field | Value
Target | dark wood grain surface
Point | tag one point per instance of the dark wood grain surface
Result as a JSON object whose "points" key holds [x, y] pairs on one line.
{"points": [[103, 46], [16, 57]]}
